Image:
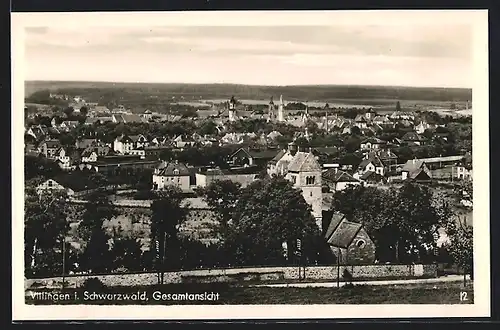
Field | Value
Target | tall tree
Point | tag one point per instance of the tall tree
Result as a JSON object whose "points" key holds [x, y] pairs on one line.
{"points": [[461, 246], [402, 222], [168, 214], [222, 196], [269, 213], [98, 209], [69, 111], [45, 230]]}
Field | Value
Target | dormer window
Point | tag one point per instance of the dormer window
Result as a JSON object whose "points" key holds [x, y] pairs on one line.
{"points": [[176, 172]]}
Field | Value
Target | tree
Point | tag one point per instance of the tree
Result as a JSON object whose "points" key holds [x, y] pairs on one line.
{"points": [[45, 231], [168, 214], [208, 128], [401, 221], [126, 252], [35, 166], [398, 106], [461, 246], [98, 209], [84, 111], [68, 111], [269, 213], [222, 197]]}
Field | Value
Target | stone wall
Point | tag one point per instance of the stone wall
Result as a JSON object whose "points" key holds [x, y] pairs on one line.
{"points": [[322, 273]]}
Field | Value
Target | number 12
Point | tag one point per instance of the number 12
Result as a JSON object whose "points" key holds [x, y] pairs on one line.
{"points": [[463, 296]]}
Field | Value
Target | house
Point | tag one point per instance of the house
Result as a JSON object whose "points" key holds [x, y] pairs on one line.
{"points": [[371, 163], [338, 180], [183, 142], [279, 164], [38, 132], [372, 177], [372, 143], [123, 144], [140, 141], [74, 183], [415, 169], [349, 241], [274, 135], [132, 118], [69, 124], [171, 174], [250, 157], [49, 148], [92, 153], [381, 120], [360, 121], [413, 138], [147, 115], [422, 127], [401, 115], [388, 158], [159, 140], [138, 152]]}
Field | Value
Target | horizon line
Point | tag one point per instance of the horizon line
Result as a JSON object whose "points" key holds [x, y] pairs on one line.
{"points": [[243, 84]]}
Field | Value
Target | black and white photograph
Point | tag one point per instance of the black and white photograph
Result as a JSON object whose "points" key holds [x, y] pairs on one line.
{"points": [[250, 162]]}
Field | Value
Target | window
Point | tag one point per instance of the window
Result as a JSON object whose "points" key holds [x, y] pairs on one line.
{"points": [[176, 172], [310, 179], [360, 243], [50, 184], [294, 179], [311, 194]]}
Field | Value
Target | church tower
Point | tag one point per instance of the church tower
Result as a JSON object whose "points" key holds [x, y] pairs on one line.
{"points": [[281, 115], [305, 117], [232, 109], [270, 111], [304, 172]]}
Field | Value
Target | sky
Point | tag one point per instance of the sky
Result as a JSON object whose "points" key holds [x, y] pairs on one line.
{"points": [[405, 55]]}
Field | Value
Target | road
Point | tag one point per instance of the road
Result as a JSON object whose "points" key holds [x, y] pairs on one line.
{"points": [[442, 279]]}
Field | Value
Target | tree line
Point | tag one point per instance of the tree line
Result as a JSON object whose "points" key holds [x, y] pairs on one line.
{"points": [[256, 225]]}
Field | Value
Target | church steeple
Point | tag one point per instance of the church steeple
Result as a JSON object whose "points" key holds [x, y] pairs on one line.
{"points": [[281, 115]]}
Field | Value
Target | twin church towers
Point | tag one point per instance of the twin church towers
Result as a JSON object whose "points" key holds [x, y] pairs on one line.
{"points": [[275, 113]]}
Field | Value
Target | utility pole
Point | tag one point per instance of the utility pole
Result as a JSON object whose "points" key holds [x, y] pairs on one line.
{"points": [[338, 267]]}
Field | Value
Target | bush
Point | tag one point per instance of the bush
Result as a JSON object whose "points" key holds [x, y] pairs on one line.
{"points": [[93, 284]]}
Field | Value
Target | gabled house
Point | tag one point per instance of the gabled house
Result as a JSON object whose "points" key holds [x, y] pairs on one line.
{"points": [[360, 121], [92, 153], [49, 148], [422, 126], [159, 140], [69, 125], [412, 138], [75, 183], [388, 158], [38, 132], [140, 141], [338, 180], [372, 143], [251, 157], [416, 170], [123, 144], [371, 163], [348, 240], [173, 174]]}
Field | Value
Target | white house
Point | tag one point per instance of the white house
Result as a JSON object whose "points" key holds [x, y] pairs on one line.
{"points": [[175, 174], [123, 144]]}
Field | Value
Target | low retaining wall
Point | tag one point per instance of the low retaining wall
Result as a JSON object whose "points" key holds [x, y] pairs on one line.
{"points": [[326, 273]]}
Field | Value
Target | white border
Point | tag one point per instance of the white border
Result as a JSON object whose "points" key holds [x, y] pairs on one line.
{"points": [[478, 18]]}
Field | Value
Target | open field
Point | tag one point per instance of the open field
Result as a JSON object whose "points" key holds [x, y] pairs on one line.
{"points": [[445, 293]]}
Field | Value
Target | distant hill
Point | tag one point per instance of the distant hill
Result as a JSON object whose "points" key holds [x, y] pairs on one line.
{"points": [[214, 91]]}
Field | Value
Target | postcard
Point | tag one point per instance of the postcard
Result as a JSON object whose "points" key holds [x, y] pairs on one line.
{"points": [[250, 165]]}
